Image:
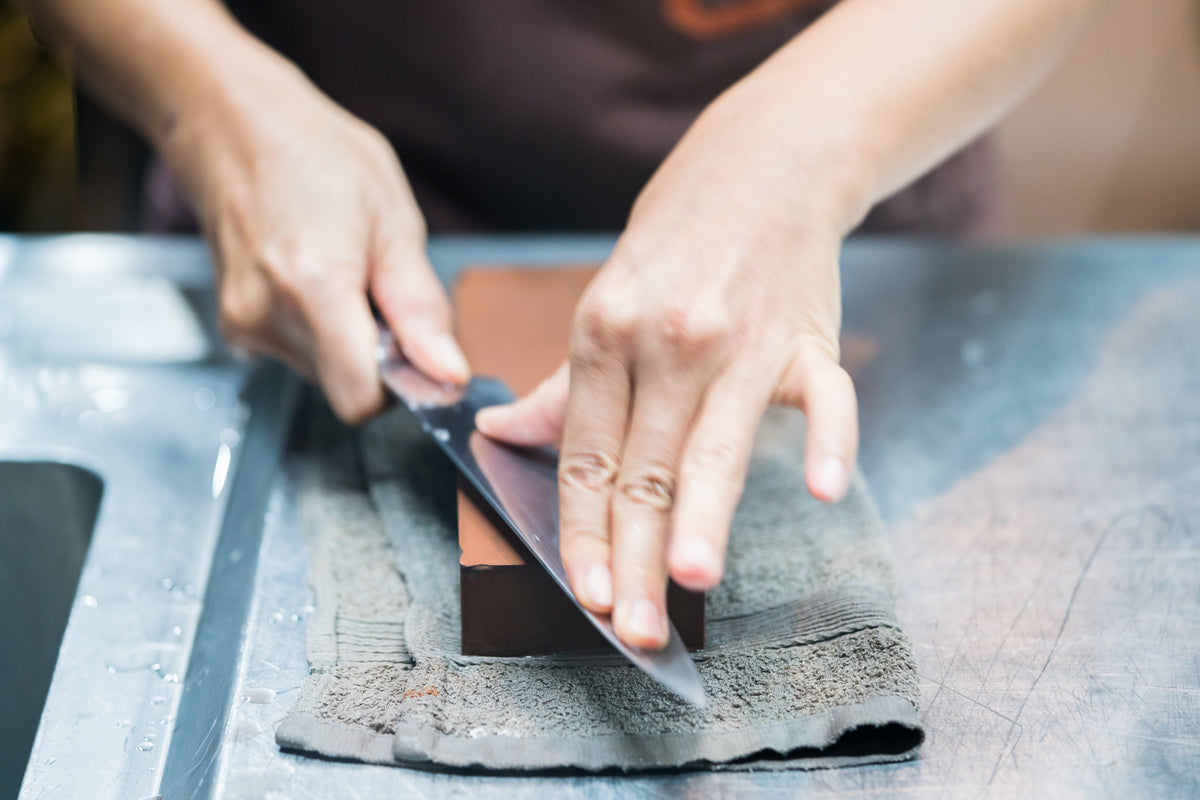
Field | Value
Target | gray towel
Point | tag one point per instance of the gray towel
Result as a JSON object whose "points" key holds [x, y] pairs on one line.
{"points": [[805, 664]]}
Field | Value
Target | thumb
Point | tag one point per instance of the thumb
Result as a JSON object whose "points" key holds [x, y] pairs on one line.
{"points": [[534, 420], [411, 298]]}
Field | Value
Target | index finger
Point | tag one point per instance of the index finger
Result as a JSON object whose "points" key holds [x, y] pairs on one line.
{"points": [[593, 436]]}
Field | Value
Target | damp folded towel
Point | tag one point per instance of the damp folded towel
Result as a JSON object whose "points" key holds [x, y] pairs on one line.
{"points": [[805, 664]]}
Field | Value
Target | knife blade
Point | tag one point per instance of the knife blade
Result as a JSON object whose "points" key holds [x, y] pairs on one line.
{"points": [[521, 485]]}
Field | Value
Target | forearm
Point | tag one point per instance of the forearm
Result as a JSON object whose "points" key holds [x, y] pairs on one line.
{"points": [[160, 66], [879, 91]]}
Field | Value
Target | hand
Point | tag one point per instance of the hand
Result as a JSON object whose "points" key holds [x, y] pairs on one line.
{"points": [[308, 213], [721, 297]]}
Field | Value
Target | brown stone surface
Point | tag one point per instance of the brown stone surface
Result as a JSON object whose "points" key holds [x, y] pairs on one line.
{"points": [[515, 324]]}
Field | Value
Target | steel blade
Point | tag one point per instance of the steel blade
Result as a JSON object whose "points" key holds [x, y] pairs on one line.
{"points": [[521, 485]]}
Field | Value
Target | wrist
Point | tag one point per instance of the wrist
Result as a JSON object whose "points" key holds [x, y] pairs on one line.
{"points": [[214, 124], [820, 164]]}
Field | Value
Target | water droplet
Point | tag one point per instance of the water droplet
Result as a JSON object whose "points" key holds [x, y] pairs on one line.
{"points": [[146, 746], [167, 584], [205, 399], [177, 630], [125, 723], [441, 434], [189, 589], [230, 437], [170, 677], [88, 601], [260, 696], [50, 760], [235, 556]]}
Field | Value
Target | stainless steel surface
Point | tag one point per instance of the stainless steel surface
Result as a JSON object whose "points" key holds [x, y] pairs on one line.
{"points": [[521, 485], [209, 684], [138, 393], [1031, 433]]}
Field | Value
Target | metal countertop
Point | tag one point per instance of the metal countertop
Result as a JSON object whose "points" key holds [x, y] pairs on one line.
{"points": [[1031, 431]]}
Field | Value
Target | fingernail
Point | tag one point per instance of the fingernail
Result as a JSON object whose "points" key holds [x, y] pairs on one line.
{"points": [[697, 562], [832, 479], [646, 623], [598, 585], [451, 358]]}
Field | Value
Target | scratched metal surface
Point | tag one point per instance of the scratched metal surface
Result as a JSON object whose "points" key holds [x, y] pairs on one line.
{"points": [[1031, 429]]}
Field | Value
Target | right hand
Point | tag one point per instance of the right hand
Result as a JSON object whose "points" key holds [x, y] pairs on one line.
{"points": [[308, 214]]}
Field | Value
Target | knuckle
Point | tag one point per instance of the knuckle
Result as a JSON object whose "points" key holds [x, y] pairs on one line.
{"points": [[827, 347], [718, 458], [377, 145], [380, 154], [817, 342], [410, 224], [300, 280], [579, 542], [692, 327], [605, 319], [289, 280], [652, 488], [243, 313], [423, 311], [592, 471]]}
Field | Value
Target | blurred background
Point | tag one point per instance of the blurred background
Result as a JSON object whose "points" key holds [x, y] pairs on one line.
{"points": [[1111, 143], [37, 132]]}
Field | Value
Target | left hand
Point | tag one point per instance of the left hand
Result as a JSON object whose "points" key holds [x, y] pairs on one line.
{"points": [[720, 298]]}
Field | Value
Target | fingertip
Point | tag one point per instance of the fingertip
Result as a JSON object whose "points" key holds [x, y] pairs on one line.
{"points": [[355, 406], [695, 565], [435, 353], [451, 358], [641, 624], [505, 423], [828, 479], [595, 591], [490, 421], [534, 420]]}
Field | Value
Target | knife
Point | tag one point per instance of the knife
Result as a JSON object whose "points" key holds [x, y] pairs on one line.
{"points": [[521, 485]]}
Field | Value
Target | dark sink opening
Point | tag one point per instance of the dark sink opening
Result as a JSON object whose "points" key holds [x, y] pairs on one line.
{"points": [[47, 513]]}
